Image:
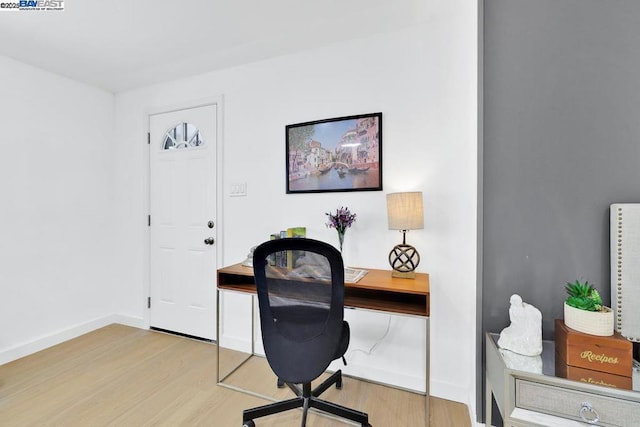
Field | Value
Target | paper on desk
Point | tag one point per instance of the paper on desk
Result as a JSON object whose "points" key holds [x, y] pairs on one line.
{"points": [[352, 275]]}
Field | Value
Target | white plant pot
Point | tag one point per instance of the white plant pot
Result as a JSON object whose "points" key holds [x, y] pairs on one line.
{"points": [[589, 322]]}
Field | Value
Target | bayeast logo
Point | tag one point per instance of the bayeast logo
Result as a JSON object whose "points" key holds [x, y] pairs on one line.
{"points": [[41, 4]]}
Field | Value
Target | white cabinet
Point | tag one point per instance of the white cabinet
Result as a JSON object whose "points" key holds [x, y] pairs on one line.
{"points": [[541, 399]]}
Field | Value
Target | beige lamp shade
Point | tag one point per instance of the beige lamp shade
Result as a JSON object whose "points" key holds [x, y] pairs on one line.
{"points": [[404, 211]]}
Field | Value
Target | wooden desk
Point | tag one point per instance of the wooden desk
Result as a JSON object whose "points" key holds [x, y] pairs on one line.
{"points": [[377, 291]]}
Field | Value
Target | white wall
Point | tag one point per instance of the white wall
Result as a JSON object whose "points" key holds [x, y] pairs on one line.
{"points": [[424, 80], [56, 170]]}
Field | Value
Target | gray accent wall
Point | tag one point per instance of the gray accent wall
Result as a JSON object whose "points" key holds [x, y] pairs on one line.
{"points": [[561, 142]]}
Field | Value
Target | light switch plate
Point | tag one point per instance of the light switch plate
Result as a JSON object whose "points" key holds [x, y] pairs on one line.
{"points": [[238, 189]]}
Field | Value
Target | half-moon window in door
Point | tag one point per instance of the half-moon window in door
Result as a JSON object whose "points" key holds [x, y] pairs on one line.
{"points": [[183, 135]]}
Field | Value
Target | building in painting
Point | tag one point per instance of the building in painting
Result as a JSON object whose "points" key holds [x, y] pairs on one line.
{"points": [[359, 146], [368, 138], [318, 157], [346, 151]]}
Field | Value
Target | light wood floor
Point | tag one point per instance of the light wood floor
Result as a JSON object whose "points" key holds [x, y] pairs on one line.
{"points": [[122, 376]]}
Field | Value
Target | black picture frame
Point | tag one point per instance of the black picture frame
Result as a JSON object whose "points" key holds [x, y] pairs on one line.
{"points": [[333, 155]]}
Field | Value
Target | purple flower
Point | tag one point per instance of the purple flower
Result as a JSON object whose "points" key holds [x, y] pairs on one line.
{"points": [[342, 220]]}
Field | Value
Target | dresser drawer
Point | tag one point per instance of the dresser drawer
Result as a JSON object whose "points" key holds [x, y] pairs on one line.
{"points": [[574, 405]]}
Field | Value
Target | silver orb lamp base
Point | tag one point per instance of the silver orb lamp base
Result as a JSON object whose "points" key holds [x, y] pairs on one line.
{"points": [[404, 260]]}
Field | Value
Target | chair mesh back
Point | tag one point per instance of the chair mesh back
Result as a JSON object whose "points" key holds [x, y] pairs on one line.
{"points": [[299, 294], [300, 284]]}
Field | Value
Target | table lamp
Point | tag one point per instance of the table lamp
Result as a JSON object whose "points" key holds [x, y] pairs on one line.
{"points": [[404, 211]]}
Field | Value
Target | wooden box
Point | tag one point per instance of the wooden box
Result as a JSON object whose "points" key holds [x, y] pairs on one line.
{"points": [[580, 352], [592, 377]]}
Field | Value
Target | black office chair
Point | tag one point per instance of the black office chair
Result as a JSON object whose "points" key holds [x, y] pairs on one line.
{"points": [[300, 284]]}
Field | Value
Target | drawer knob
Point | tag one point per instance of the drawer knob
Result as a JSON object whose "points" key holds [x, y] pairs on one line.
{"points": [[588, 413]]}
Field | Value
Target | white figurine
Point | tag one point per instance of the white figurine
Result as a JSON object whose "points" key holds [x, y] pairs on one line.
{"points": [[524, 334], [522, 363]]}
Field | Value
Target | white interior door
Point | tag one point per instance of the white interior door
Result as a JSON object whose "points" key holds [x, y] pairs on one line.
{"points": [[183, 224]]}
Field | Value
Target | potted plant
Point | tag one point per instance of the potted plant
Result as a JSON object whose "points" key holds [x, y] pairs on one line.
{"points": [[584, 312]]}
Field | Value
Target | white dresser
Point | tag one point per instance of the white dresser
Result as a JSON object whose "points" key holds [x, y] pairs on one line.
{"points": [[538, 398]]}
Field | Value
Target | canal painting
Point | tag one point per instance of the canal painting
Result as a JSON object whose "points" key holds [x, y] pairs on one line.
{"points": [[340, 154]]}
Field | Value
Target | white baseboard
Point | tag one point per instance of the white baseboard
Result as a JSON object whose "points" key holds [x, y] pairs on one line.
{"points": [[57, 337], [448, 391], [235, 343], [134, 322]]}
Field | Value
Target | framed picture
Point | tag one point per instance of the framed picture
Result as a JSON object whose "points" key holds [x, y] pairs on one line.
{"points": [[340, 154]]}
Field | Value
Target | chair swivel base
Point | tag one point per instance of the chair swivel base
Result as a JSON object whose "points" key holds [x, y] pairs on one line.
{"points": [[305, 399]]}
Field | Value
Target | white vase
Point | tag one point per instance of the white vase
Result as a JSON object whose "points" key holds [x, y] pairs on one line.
{"points": [[589, 322]]}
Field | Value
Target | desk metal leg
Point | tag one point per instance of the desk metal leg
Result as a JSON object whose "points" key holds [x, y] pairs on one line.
{"points": [[427, 366], [220, 377], [218, 297], [253, 326]]}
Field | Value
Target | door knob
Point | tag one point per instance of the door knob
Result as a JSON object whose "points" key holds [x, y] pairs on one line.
{"points": [[209, 241]]}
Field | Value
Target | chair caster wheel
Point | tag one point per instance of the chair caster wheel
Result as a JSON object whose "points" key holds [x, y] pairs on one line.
{"points": [[280, 383], [249, 423]]}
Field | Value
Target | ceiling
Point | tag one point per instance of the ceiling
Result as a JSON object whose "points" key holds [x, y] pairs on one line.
{"points": [[119, 45]]}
